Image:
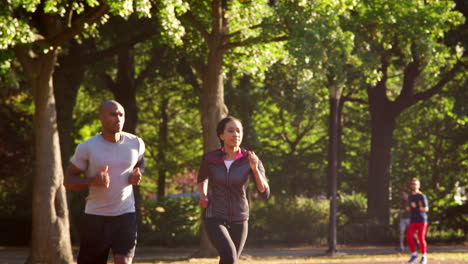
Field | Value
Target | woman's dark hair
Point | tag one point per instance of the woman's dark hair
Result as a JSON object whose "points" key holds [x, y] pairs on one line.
{"points": [[222, 125]]}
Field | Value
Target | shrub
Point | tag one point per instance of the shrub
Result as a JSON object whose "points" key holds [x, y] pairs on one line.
{"points": [[351, 208], [355, 226], [170, 221], [289, 221]]}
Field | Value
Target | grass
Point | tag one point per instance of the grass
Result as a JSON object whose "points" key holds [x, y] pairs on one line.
{"points": [[435, 258], [300, 255]]}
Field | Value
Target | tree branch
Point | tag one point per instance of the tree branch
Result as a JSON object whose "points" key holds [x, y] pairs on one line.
{"points": [[94, 57], [284, 134], [301, 134], [356, 100], [252, 41], [89, 18], [108, 81], [184, 69], [150, 66], [411, 73], [192, 20], [238, 32], [26, 58], [445, 79]]}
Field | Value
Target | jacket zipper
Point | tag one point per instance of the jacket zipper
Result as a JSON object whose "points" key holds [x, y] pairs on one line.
{"points": [[228, 193]]}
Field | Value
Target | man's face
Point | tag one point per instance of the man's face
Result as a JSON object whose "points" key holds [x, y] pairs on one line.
{"points": [[414, 185], [112, 118]]}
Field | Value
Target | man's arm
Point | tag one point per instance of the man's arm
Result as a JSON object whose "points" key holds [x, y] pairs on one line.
{"points": [[425, 207], [137, 172], [74, 182], [141, 164]]}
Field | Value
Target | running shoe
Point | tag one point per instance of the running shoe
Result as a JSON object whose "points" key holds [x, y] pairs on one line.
{"points": [[413, 258], [423, 260]]}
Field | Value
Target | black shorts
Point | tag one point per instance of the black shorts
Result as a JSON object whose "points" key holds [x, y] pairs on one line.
{"points": [[100, 233]]}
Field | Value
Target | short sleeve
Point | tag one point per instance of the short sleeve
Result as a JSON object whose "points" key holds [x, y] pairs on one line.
{"points": [[81, 157], [141, 163], [141, 149]]}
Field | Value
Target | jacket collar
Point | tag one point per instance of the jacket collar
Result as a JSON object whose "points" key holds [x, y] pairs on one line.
{"points": [[217, 156]]}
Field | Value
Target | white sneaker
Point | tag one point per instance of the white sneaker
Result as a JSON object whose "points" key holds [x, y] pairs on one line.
{"points": [[423, 260]]}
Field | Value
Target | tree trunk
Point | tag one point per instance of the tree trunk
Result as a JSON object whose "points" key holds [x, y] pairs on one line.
{"points": [[212, 101], [124, 91], [67, 81], [50, 232], [383, 119], [163, 138], [213, 108]]}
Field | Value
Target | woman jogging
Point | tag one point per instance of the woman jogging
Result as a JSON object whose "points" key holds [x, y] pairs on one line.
{"points": [[223, 181]]}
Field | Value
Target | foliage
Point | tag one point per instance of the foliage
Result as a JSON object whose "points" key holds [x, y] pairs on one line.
{"points": [[352, 208], [166, 93], [170, 221], [16, 151], [380, 30], [289, 220], [354, 148], [290, 125], [428, 147]]}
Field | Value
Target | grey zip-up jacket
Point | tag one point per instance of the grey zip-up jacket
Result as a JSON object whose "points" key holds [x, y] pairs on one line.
{"points": [[227, 191]]}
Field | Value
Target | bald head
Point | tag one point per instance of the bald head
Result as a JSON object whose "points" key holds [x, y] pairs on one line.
{"points": [[105, 106], [112, 117]]}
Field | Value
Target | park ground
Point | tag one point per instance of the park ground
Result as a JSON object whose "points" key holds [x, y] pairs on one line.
{"points": [[440, 254]]}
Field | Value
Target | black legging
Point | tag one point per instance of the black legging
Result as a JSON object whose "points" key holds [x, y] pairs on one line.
{"points": [[227, 238]]}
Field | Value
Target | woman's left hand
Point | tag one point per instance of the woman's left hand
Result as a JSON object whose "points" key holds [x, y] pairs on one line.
{"points": [[253, 160]]}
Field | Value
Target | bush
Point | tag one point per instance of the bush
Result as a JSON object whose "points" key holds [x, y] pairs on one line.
{"points": [[449, 223], [355, 226], [170, 222], [289, 221], [352, 209]]}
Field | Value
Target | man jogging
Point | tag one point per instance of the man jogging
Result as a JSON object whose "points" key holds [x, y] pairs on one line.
{"points": [[418, 208], [112, 162]]}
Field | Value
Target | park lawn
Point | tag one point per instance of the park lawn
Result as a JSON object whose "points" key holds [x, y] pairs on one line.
{"points": [[434, 258]]}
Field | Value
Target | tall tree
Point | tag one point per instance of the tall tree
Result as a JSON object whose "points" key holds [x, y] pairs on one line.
{"points": [[401, 46], [37, 31], [320, 44], [290, 122], [398, 68], [213, 21]]}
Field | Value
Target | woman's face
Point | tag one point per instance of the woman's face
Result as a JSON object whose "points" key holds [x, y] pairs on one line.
{"points": [[232, 135]]}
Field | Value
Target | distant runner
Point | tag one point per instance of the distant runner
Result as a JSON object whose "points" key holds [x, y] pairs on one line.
{"points": [[418, 208]]}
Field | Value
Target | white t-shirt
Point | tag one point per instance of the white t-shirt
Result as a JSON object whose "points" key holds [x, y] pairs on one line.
{"points": [[93, 155], [228, 163]]}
